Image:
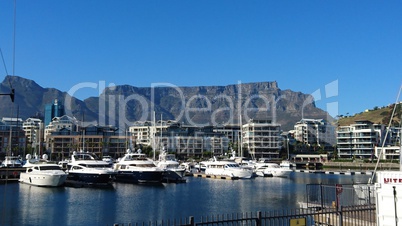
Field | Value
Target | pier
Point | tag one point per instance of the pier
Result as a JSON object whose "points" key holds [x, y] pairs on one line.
{"points": [[10, 174]]}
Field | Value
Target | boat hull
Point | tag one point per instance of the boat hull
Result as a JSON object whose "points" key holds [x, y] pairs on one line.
{"points": [[241, 173], [281, 173], [176, 175], [139, 176], [43, 180], [89, 178]]}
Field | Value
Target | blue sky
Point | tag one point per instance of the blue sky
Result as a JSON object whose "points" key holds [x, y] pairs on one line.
{"points": [[351, 49]]}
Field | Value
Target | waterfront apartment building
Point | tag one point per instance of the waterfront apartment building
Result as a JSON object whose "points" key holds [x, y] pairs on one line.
{"points": [[145, 131], [11, 130], [231, 131], [262, 138], [392, 146], [58, 123], [360, 139], [33, 128], [55, 109], [315, 132], [183, 140], [65, 135]]}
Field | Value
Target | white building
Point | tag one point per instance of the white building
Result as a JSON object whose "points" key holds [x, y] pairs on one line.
{"points": [[145, 131], [359, 140], [184, 140], [262, 138], [315, 132], [63, 122], [33, 128]]}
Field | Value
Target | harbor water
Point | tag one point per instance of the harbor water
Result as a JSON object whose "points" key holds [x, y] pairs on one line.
{"points": [[23, 204]]}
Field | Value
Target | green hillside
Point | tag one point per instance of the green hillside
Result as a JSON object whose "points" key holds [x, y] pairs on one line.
{"points": [[377, 115]]}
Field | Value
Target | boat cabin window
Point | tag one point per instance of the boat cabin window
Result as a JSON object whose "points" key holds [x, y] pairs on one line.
{"points": [[97, 166], [50, 168], [76, 167]]}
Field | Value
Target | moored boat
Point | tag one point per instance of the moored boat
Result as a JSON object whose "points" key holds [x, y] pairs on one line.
{"points": [[11, 162], [228, 168], [85, 169], [137, 168], [272, 169], [41, 172], [173, 171]]}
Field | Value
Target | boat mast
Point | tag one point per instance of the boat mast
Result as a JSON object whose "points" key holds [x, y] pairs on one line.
{"points": [[153, 136], [240, 119], [11, 132], [160, 135], [83, 133]]}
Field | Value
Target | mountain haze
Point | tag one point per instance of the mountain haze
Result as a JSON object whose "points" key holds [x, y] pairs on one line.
{"points": [[199, 105]]}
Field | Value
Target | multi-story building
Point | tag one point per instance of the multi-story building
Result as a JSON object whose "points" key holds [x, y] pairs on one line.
{"points": [[55, 109], [184, 140], [231, 131], [33, 128], [144, 132], [59, 123], [315, 132], [359, 140], [194, 141], [262, 138], [11, 130], [65, 135], [392, 145]]}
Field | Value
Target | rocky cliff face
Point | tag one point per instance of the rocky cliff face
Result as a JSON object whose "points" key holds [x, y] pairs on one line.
{"points": [[200, 105]]}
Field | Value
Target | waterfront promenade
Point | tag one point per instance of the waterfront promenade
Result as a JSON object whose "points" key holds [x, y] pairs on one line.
{"points": [[359, 166]]}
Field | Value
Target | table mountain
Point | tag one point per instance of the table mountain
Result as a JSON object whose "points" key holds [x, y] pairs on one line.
{"points": [[199, 105]]}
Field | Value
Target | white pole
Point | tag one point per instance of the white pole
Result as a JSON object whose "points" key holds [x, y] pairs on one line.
{"points": [[153, 136]]}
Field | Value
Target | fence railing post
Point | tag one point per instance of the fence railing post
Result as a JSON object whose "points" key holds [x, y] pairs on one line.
{"points": [[340, 216], [191, 223], [258, 220]]}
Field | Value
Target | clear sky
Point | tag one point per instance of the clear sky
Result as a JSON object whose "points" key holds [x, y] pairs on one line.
{"points": [[348, 51]]}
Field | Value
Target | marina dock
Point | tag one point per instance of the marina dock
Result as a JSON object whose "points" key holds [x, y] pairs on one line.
{"points": [[335, 172], [10, 174]]}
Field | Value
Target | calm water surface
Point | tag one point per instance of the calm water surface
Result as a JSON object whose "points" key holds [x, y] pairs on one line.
{"points": [[23, 204]]}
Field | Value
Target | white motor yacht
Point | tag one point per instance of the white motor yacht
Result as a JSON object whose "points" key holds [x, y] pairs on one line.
{"points": [[137, 168], [173, 171], [41, 172], [271, 170], [86, 169], [228, 168], [12, 162]]}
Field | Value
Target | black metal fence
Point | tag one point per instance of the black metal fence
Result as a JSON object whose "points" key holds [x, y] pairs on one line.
{"points": [[322, 196], [329, 205]]}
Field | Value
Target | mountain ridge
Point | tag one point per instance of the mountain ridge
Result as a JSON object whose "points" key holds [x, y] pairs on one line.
{"points": [[198, 105]]}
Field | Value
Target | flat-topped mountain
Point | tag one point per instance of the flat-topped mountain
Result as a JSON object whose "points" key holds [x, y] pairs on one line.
{"points": [[199, 105]]}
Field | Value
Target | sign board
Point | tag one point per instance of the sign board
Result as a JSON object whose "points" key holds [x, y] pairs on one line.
{"points": [[297, 222]]}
